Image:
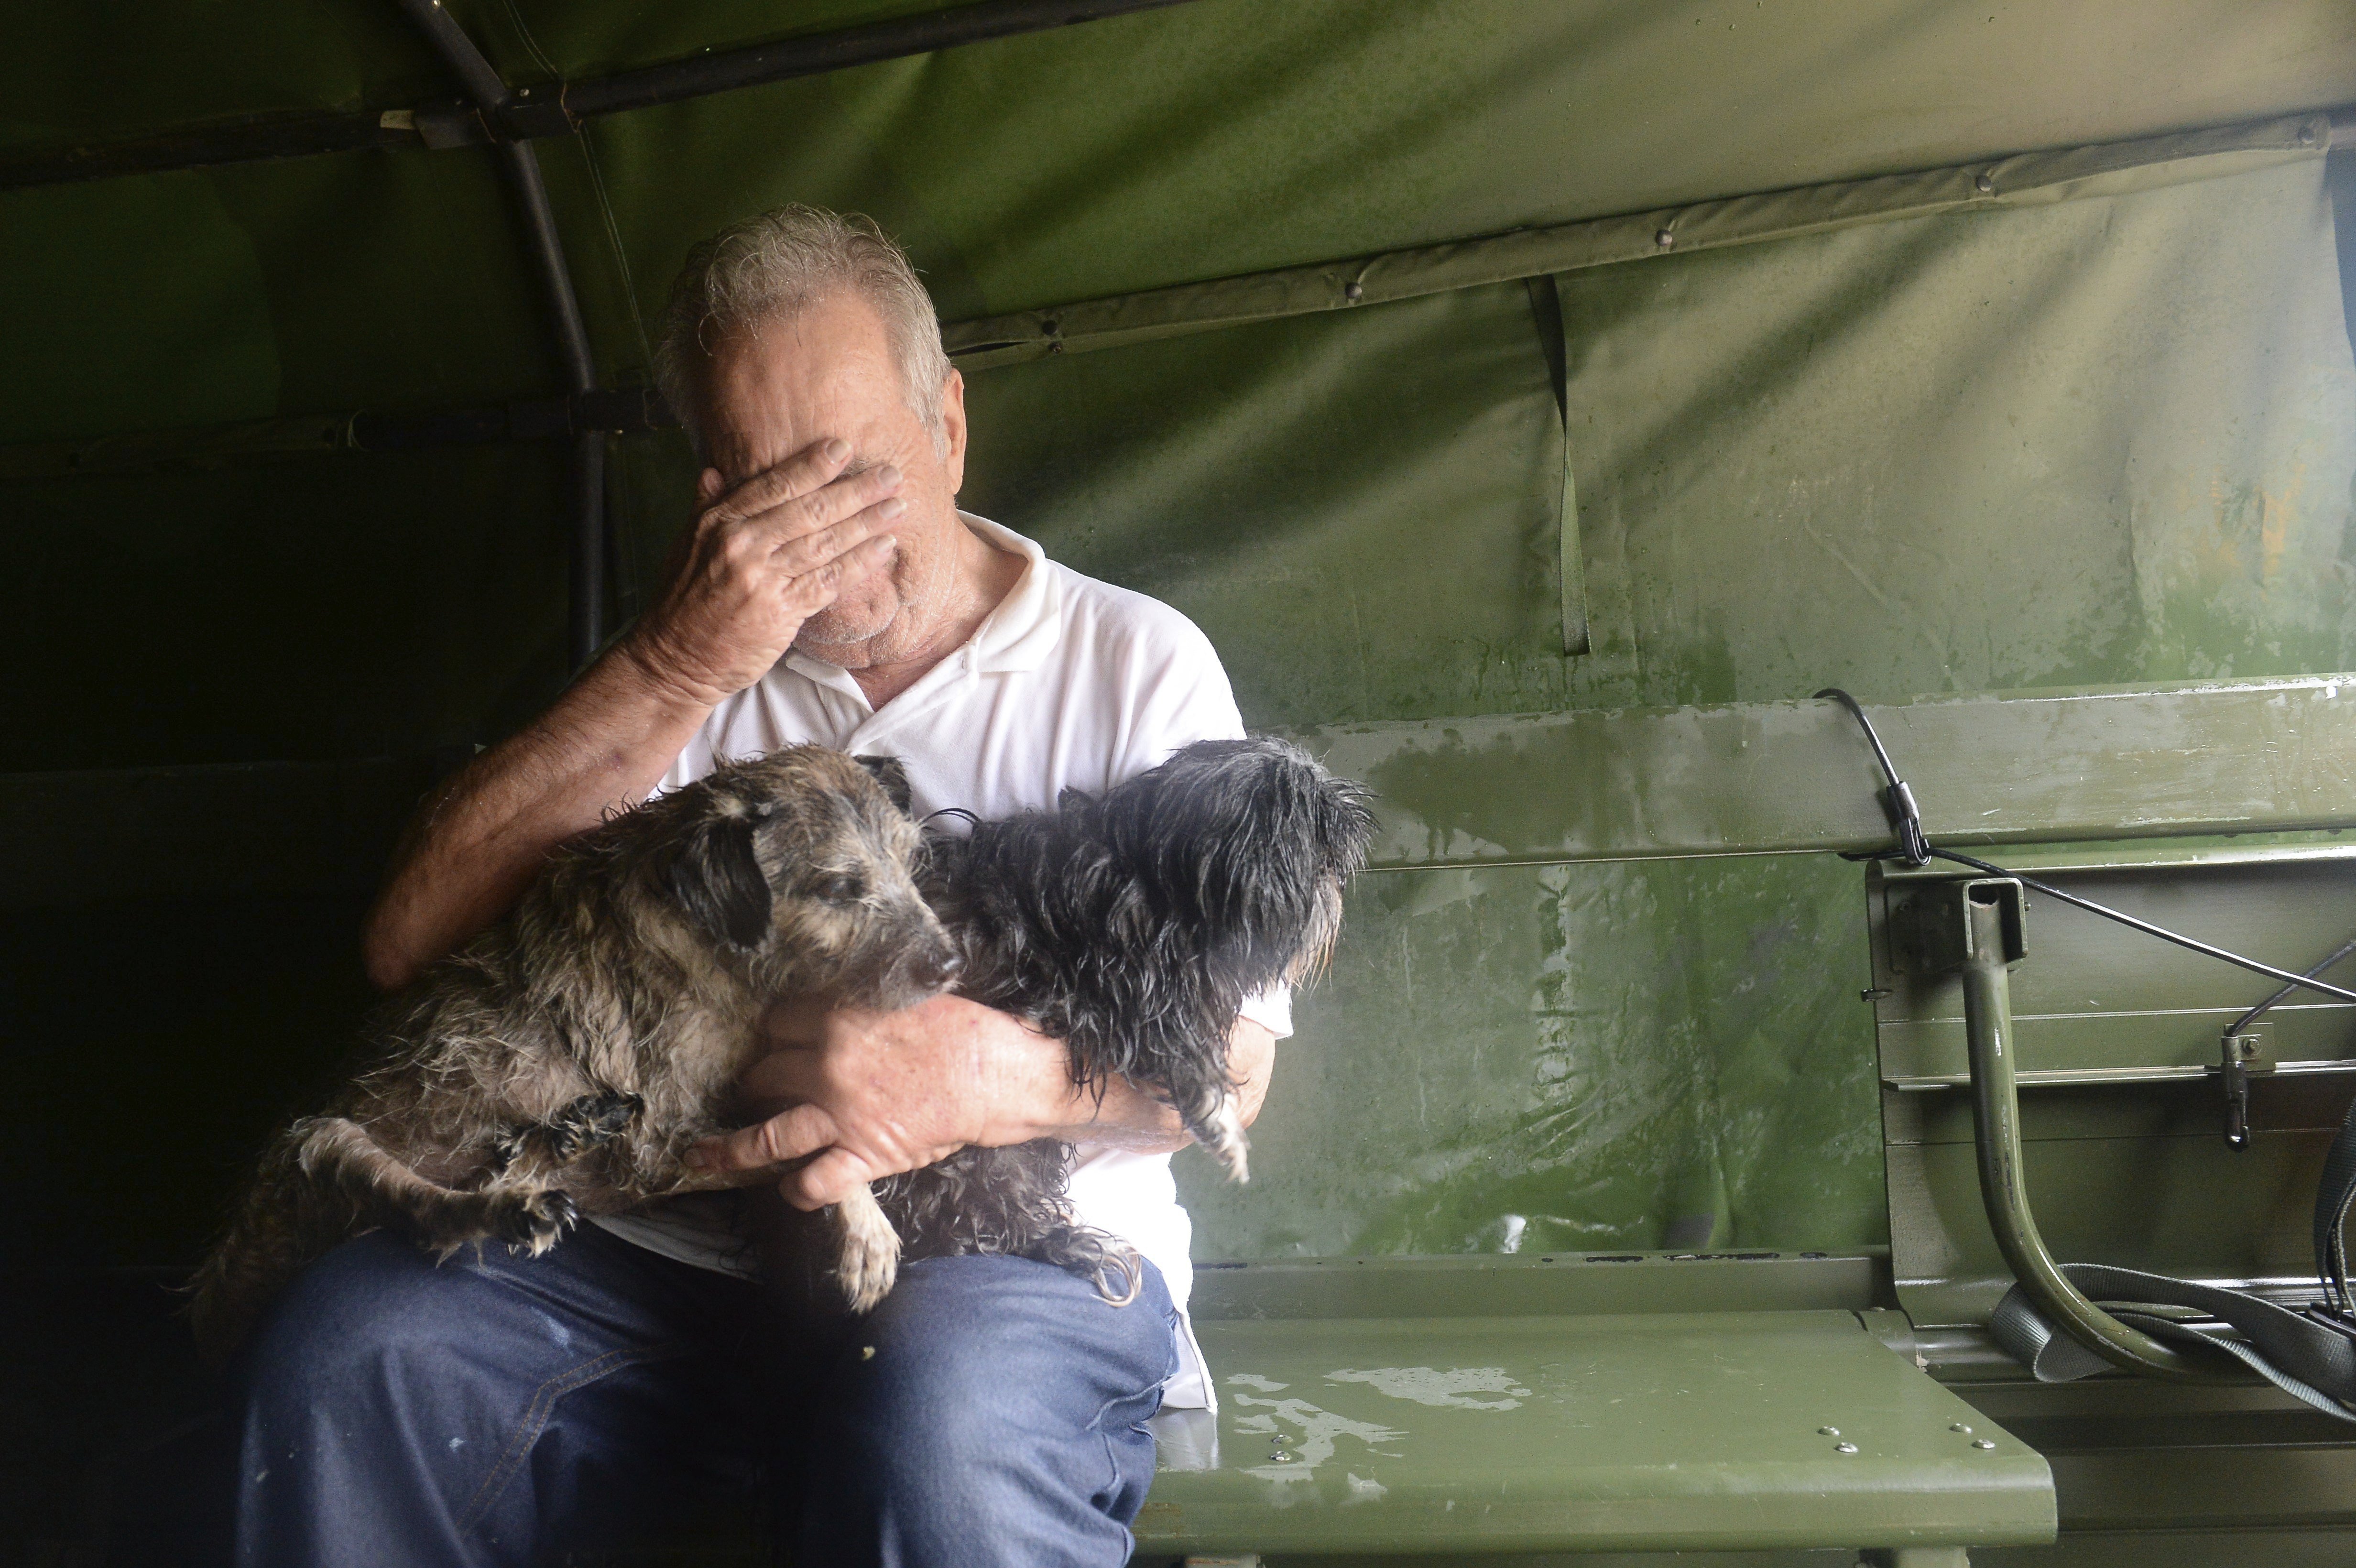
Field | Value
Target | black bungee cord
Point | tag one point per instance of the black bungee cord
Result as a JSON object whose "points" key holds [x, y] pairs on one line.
{"points": [[1916, 850]]}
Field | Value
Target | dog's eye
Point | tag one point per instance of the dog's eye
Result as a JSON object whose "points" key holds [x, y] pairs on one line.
{"points": [[843, 890]]}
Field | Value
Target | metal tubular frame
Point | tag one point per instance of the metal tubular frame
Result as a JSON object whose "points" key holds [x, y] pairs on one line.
{"points": [[557, 109], [702, 75], [1982, 943], [584, 577]]}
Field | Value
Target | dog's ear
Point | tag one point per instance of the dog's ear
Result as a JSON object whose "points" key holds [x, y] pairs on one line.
{"points": [[1346, 825], [718, 881], [893, 777]]}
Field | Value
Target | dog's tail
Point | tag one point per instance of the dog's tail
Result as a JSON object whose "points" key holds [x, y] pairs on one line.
{"points": [[285, 1220]]}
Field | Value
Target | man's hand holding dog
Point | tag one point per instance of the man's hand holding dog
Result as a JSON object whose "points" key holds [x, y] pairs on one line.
{"points": [[873, 1095], [764, 556]]}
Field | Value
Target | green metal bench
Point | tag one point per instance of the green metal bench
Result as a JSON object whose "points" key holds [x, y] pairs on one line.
{"points": [[1651, 1404], [1582, 1404]]}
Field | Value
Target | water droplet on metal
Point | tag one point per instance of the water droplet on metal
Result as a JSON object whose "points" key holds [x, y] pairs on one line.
{"points": [[1829, 1431], [1844, 1448], [1982, 1443], [1959, 1427]]}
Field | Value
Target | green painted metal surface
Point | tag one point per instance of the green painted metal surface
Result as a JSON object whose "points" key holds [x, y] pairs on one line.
{"points": [[1576, 1283], [2097, 997], [2133, 1170], [2165, 1470], [1662, 1431], [2219, 757]]}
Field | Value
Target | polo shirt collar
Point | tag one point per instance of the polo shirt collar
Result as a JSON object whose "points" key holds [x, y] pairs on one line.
{"points": [[1017, 635]]}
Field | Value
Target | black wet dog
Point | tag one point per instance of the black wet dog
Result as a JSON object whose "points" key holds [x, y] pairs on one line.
{"points": [[1132, 925]]}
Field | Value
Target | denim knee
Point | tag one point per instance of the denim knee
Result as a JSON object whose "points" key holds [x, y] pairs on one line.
{"points": [[350, 1321], [989, 1363]]}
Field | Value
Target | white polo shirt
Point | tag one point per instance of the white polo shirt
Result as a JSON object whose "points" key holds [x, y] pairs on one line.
{"points": [[1070, 683]]}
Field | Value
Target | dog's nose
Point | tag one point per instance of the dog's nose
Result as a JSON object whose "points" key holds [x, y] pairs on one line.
{"points": [[943, 967]]}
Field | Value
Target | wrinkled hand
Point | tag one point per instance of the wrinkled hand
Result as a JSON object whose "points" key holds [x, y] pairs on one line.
{"points": [[764, 555], [883, 1093]]}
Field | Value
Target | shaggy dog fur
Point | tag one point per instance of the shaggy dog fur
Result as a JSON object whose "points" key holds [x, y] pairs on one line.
{"points": [[566, 1058], [1133, 926]]}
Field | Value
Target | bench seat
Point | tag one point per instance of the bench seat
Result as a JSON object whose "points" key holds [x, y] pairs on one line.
{"points": [[1630, 1432]]}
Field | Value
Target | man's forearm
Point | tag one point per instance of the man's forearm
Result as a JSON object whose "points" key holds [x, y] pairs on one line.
{"points": [[874, 1093], [1128, 1117], [478, 841]]}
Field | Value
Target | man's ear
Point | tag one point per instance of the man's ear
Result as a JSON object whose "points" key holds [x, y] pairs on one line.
{"points": [[953, 429], [893, 776], [717, 879]]}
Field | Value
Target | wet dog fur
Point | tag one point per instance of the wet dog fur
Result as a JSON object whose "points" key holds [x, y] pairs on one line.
{"points": [[566, 1058], [1133, 926]]}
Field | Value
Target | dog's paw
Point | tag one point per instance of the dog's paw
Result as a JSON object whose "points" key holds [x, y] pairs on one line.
{"points": [[867, 1251], [538, 1220], [591, 1120]]}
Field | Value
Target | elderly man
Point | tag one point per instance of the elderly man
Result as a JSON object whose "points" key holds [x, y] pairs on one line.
{"points": [[492, 1409]]}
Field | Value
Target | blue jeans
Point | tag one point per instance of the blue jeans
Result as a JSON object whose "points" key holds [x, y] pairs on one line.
{"points": [[501, 1410]]}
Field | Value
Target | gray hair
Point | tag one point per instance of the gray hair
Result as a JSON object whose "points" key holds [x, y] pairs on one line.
{"points": [[774, 266]]}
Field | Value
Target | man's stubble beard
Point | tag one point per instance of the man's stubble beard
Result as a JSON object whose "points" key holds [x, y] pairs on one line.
{"points": [[826, 637]]}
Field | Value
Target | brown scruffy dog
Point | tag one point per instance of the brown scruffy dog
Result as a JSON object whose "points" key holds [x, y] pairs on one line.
{"points": [[565, 1059]]}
